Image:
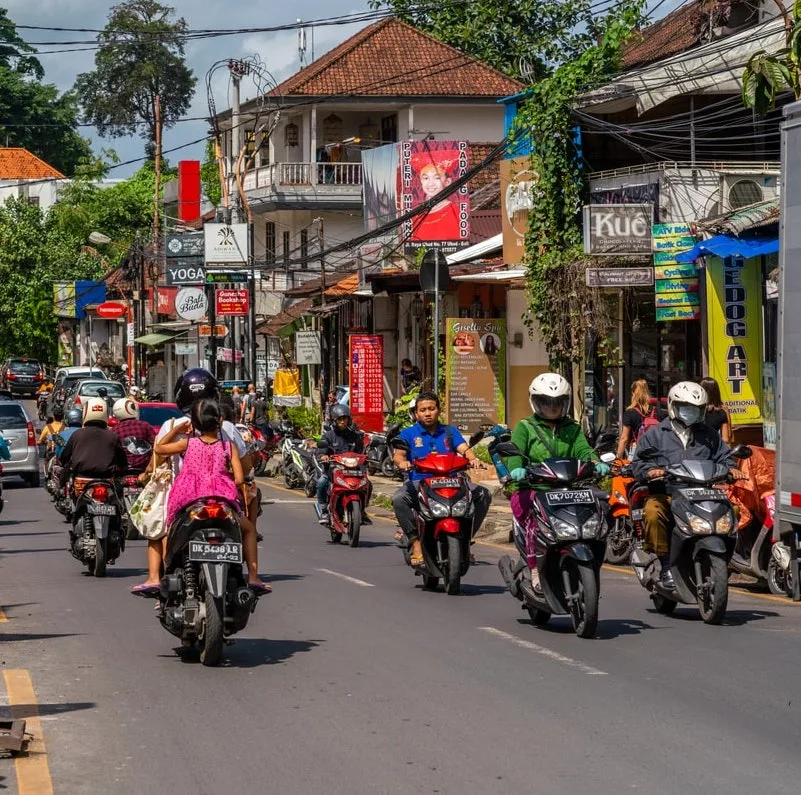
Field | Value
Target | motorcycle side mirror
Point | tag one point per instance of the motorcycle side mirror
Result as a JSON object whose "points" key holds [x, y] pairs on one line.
{"points": [[476, 438], [401, 444], [393, 430], [322, 444], [608, 458], [507, 449], [742, 451]]}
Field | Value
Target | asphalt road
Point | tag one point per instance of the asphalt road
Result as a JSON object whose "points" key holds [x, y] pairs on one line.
{"points": [[351, 679]]}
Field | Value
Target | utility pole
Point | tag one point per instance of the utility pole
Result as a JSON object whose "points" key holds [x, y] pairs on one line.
{"points": [[237, 69], [157, 167], [321, 241]]}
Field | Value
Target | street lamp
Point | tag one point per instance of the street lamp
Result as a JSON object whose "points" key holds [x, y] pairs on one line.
{"points": [[99, 239]]}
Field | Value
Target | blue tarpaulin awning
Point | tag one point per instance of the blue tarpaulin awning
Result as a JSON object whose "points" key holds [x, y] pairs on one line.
{"points": [[728, 246]]}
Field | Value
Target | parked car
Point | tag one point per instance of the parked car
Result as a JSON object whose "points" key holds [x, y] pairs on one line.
{"points": [[80, 371], [22, 376], [83, 389], [156, 414], [17, 430], [66, 378]]}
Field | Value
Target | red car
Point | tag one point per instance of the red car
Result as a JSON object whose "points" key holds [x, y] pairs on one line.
{"points": [[156, 414]]}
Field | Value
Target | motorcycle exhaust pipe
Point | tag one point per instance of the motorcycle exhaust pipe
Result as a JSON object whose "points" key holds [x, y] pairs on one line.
{"points": [[245, 597]]}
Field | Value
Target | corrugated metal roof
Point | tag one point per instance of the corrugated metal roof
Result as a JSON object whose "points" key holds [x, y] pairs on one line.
{"points": [[743, 219]]}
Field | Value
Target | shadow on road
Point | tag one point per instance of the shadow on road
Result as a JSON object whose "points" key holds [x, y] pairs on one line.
{"points": [[10, 637], [616, 627], [251, 652], [469, 589], [374, 544], [32, 533], [25, 551], [282, 577], [734, 618], [30, 710], [118, 573], [7, 522]]}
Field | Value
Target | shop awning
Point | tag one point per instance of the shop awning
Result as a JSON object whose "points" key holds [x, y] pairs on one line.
{"points": [[155, 338], [728, 246]]}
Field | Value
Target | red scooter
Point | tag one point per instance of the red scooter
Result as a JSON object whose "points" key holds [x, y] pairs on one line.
{"points": [[445, 517], [348, 496]]}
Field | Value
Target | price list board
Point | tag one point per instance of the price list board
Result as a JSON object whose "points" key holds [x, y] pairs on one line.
{"points": [[367, 381]]}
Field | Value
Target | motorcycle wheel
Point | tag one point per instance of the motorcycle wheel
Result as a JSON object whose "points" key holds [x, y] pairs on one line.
{"points": [[715, 572], [310, 487], [618, 542], [388, 467], [261, 467], [662, 605], [453, 582], [354, 523], [211, 644], [289, 478], [585, 609], [779, 581], [430, 583], [538, 617], [100, 558], [335, 537]]}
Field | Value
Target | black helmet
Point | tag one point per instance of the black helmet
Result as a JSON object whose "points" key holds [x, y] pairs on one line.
{"points": [[338, 412], [74, 418], [194, 385]]}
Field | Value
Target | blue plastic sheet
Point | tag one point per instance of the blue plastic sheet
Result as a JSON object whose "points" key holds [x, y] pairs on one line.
{"points": [[727, 246]]}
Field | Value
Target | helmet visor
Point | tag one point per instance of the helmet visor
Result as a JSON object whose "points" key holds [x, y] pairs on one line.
{"points": [[551, 408]]}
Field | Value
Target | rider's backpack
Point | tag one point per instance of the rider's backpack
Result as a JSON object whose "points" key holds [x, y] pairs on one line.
{"points": [[648, 421]]}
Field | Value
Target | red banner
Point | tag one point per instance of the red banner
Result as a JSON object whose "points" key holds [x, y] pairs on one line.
{"points": [[232, 302], [367, 381]]}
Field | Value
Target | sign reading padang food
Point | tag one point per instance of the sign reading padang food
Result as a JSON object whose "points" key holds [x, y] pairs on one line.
{"points": [[475, 382]]}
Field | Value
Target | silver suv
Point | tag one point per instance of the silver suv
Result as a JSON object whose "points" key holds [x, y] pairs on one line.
{"points": [[17, 429]]}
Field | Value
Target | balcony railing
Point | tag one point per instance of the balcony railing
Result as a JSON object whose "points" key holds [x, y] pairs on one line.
{"points": [[299, 175], [728, 167]]}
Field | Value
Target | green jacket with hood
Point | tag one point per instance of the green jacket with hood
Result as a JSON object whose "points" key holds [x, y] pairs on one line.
{"points": [[566, 440]]}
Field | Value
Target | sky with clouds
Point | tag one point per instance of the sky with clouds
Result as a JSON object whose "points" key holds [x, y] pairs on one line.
{"points": [[278, 50]]}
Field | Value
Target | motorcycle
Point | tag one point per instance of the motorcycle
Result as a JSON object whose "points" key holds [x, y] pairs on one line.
{"points": [[269, 444], [348, 496], [379, 453], [444, 517], [131, 489], [620, 540], [702, 542], [204, 596], [96, 537], [41, 404], [569, 545], [299, 465]]}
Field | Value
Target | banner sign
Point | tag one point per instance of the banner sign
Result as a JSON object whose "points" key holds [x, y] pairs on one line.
{"points": [[769, 405], [229, 355], [226, 243], [618, 229], [366, 357], [518, 182], [191, 303], [185, 271], [186, 244], [619, 277], [475, 373], [204, 330], [227, 277], [734, 329], [232, 302], [426, 168], [676, 286], [307, 347]]}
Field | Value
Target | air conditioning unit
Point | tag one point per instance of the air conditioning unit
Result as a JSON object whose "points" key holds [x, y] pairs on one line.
{"points": [[743, 190]]}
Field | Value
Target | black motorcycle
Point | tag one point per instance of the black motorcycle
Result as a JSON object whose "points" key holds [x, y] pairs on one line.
{"points": [[570, 543], [379, 453], [702, 542], [204, 596], [96, 538]]}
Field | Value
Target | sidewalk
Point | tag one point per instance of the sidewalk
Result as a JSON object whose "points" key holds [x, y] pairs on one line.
{"points": [[497, 527]]}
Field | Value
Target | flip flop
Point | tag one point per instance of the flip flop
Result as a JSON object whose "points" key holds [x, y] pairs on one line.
{"points": [[145, 589], [260, 587]]}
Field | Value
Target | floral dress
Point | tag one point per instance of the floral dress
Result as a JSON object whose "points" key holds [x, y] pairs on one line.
{"points": [[204, 473]]}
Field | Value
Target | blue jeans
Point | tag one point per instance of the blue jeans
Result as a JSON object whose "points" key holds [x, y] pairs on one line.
{"points": [[323, 485]]}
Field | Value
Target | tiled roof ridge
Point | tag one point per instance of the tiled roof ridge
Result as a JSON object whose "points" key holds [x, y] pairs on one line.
{"points": [[45, 166]]}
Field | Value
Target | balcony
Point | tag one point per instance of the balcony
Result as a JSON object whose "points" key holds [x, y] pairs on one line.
{"points": [[297, 186]]}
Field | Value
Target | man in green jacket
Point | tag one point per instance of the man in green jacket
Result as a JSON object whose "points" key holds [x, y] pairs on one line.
{"points": [[547, 433]]}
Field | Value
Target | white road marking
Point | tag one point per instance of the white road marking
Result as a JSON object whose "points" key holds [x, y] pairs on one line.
{"points": [[553, 655], [304, 501], [362, 583]]}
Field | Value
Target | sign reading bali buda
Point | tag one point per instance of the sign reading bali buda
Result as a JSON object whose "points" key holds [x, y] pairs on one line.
{"points": [[475, 367]]}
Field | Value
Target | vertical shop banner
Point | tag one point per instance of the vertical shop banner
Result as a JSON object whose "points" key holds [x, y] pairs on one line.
{"points": [[425, 169], [734, 329], [475, 368], [366, 358], [519, 180], [676, 286], [769, 405]]}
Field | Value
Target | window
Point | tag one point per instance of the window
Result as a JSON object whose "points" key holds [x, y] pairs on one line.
{"points": [[34, 200], [285, 237], [304, 247], [12, 418], [269, 243]]}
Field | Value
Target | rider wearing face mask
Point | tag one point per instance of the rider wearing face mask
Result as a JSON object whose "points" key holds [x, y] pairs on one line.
{"points": [[681, 436]]}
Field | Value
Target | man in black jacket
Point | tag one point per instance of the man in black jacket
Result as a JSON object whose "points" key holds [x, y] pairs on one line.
{"points": [[94, 451], [342, 437]]}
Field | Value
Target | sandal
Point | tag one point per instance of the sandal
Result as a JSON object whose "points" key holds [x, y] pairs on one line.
{"points": [[417, 561], [400, 535], [260, 587]]}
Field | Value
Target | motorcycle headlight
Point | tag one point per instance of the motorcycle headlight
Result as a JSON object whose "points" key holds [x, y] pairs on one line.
{"points": [[591, 527], [724, 524], [699, 525], [459, 508], [564, 531], [438, 510]]}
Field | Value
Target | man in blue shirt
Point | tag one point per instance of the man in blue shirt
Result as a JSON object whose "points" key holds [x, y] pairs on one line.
{"points": [[426, 436]]}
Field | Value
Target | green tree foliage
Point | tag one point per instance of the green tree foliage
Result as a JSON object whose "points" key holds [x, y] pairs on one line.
{"points": [[33, 114], [768, 74], [210, 176], [141, 57], [542, 34]]}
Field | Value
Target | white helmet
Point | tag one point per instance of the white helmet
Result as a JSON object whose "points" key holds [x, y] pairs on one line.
{"points": [[687, 403], [95, 410], [126, 409], [135, 391], [548, 392]]}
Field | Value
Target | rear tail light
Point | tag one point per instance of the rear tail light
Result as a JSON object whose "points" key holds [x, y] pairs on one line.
{"points": [[11, 377], [132, 481], [99, 493], [77, 400], [31, 435], [210, 510]]}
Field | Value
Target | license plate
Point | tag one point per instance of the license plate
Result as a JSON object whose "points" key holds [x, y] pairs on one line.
{"points": [[636, 515], [102, 510], [700, 495], [203, 552], [580, 497], [444, 483]]}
